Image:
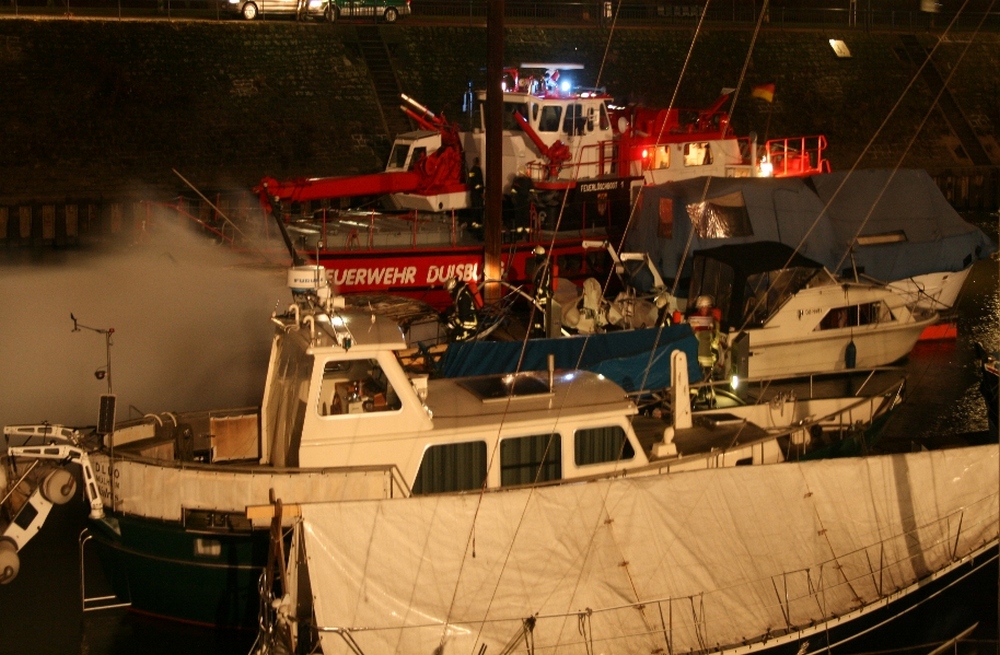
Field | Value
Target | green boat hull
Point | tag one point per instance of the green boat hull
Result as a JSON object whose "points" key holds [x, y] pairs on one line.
{"points": [[166, 571]]}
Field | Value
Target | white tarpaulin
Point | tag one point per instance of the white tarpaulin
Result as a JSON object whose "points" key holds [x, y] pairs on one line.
{"points": [[163, 492], [670, 563]]}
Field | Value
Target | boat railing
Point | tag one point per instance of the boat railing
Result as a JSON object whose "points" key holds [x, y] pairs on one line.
{"points": [[589, 161], [817, 385], [797, 156]]}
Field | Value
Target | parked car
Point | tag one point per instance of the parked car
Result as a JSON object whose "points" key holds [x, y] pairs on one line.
{"points": [[253, 9], [387, 10]]}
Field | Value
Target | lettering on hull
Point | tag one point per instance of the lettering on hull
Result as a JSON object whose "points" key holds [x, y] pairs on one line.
{"points": [[406, 272]]}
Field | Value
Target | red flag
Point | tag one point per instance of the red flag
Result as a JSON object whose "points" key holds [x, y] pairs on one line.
{"points": [[764, 91]]}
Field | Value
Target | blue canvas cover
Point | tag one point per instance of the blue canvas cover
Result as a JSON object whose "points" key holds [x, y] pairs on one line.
{"points": [[821, 215], [624, 357]]}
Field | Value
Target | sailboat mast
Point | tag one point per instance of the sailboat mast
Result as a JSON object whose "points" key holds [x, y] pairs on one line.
{"points": [[494, 146]]}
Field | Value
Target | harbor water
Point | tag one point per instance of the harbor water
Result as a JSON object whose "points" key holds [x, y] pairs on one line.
{"points": [[194, 319]]}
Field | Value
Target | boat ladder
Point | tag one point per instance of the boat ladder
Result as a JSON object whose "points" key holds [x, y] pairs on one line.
{"points": [[95, 603]]}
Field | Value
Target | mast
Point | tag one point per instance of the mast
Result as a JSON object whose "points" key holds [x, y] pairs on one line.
{"points": [[494, 146]]}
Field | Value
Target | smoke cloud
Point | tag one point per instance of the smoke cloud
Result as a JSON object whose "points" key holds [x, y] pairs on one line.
{"points": [[190, 319]]}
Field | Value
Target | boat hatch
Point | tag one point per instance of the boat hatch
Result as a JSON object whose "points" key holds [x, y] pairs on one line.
{"points": [[501, 387]]}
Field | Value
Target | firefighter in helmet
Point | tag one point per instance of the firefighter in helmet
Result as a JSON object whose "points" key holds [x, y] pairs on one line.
{"points": [[461, 319], [542, 282]]}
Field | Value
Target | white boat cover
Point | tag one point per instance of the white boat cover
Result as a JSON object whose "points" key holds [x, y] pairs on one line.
{"points": [[706, 560], [155, 491]]}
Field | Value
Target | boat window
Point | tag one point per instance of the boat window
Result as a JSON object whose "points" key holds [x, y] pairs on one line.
{"points": [[550, 118], [721, 217], [855, 315], [605, 119], [397, 158], [766, 292], [207, 547], [529, 460], [599, 445], [697, 154], [534, 112], [355, 387], [452, 467], [511, 108], [418, 154], [659, 158], [575, 120], [508, 385]]}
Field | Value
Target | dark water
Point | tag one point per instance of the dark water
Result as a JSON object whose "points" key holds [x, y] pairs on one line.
{"points": [[40, 612]]}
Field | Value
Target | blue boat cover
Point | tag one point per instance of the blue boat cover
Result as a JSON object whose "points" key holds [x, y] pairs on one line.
{"points": [[635, 359], [899, 222]]}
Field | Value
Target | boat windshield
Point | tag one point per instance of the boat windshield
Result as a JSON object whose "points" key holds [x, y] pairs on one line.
{"points": [[285, 399], [766, 292]]}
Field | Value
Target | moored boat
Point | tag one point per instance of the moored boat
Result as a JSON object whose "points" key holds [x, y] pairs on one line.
{"points": [[891, 226], [805, 557], [573, 162], [781, 314], [342, 420]]}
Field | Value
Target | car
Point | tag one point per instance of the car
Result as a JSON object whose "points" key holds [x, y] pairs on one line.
{"points": [[386, 10], [253, 9]]}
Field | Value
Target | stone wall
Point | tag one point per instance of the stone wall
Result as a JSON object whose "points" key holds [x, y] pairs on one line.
{"points": [[94, 110]]}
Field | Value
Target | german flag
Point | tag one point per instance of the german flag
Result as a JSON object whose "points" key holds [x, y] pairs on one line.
{"points": [[764, 92]]}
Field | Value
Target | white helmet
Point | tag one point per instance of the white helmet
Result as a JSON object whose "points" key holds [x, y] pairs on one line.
{"points": [[704, 302], [539, 251]]}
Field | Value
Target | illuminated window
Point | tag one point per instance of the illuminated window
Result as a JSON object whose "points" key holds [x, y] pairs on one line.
{"points": [[356, 387], [697, 154], [660, 158], [840, 48]]}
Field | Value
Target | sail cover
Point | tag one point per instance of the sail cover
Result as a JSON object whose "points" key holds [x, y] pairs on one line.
{"points": [[898, 222], [637, 360], [666, 563]]}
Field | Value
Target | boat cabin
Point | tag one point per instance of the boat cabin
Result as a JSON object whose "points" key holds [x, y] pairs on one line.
{"points": [[337, 396]]}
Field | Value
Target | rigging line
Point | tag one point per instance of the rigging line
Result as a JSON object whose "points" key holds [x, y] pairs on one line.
{"points": [[548, 262], [923, 122], [732, 108], [746, 62], [878, 131], [885, 121], [632, 213], [663, 125], [638, 198], [607, 45]]}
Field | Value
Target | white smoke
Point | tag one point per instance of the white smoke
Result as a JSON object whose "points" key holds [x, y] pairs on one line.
{"points": [[190, 320]]}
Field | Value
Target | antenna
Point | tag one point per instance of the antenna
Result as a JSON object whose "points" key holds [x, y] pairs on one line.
{"points": [[106, 414]]}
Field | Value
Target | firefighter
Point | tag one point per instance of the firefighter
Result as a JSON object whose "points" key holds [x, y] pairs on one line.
{"points": [[474, 181], [542, 281], [705, 322], [461, 319]]}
